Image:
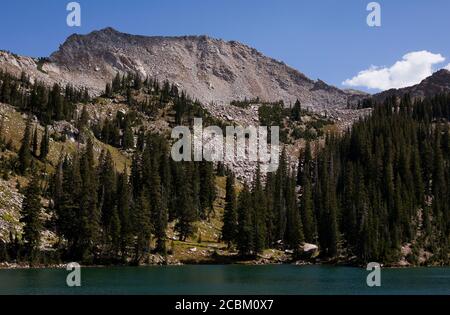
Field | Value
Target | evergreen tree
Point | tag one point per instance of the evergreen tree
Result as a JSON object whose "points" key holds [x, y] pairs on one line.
{"points": [[45, 146], [116, 84], [108, 90], [31, 211], [84, 119], [306, 201], [141, 222], [34, 143], [158, 209], [128, 138], [294, 232], [107, 199], [141, 140], [123, 209], [296, 111], [258, 213], [24, 151], [307, 212], [187, 213], [207, 193], [229, 228], [90, 215], [245, 234]]}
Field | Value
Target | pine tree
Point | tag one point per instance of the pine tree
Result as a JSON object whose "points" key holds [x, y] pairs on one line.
{"points": [[258, 212], [229, 228], [107, 198], [84, 119], [114, 229], [270, 214], [141, 140], [123, 209], [187, 211], [67, 196], [90, 215], [24, 151], [34, 143], [116, 84], [279, 201], [245, 234], [294, 231], [207, 193], [141, 222], [296, 111], [158, 209], [307, 212], [306, 201], [45, 146], [31, 211], [128, 138], [108, 90], [349, 208]]}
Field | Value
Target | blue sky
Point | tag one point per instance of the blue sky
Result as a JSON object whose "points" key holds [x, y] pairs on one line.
{"points": [[326, 39]]}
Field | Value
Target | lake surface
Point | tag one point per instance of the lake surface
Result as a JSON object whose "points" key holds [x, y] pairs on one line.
{"points": [[226, 279]]}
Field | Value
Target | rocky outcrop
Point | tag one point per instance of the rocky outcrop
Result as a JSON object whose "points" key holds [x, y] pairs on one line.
{"points": [[10, 205]]}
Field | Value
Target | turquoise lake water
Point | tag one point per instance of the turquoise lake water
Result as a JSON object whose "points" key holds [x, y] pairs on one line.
{"points": [[227, 279]]}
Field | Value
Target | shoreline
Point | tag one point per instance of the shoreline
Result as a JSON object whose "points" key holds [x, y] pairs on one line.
{"points": [[299, 263]]}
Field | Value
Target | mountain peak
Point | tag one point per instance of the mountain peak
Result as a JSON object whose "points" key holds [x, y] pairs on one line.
{"points": [[211, 70], [442, 72], [437, 83], [108, 30]]}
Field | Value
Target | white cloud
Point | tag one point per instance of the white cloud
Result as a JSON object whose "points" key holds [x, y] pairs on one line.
{"points": [[447, 67], [413, 68]]}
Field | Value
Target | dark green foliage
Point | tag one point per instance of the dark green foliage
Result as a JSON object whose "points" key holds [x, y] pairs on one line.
{"points": [[44, 146], [108, 90], [294, 231], [207, 189], [383, 183], [258, 213], [34, 143], [296, 111], [31, 211], [47, 104], [304, 172], [128, 137], [229, 229], [245, 237], [187, 211], [25, 151], [142, 227], [84, 119], [124, 199]]}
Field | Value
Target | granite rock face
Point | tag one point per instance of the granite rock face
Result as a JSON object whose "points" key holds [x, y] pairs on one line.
{"points": [[211, 70]]}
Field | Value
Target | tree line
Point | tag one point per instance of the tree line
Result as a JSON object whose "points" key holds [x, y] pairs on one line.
{"points": [[48, 104], [382, 184]]}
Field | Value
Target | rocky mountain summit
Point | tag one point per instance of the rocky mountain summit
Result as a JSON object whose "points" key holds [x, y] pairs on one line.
{"points": [[211, 70], [437, 83]]}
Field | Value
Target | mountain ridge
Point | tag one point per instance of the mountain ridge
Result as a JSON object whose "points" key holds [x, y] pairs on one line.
{"points": [[212, 70], [437, 83]]}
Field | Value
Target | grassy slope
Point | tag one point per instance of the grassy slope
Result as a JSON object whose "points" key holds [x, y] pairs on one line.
{"points": [[10, 199], [14, 125]]}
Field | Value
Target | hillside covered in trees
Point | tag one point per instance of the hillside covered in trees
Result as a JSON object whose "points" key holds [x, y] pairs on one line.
{"points": [[378, 192]]}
